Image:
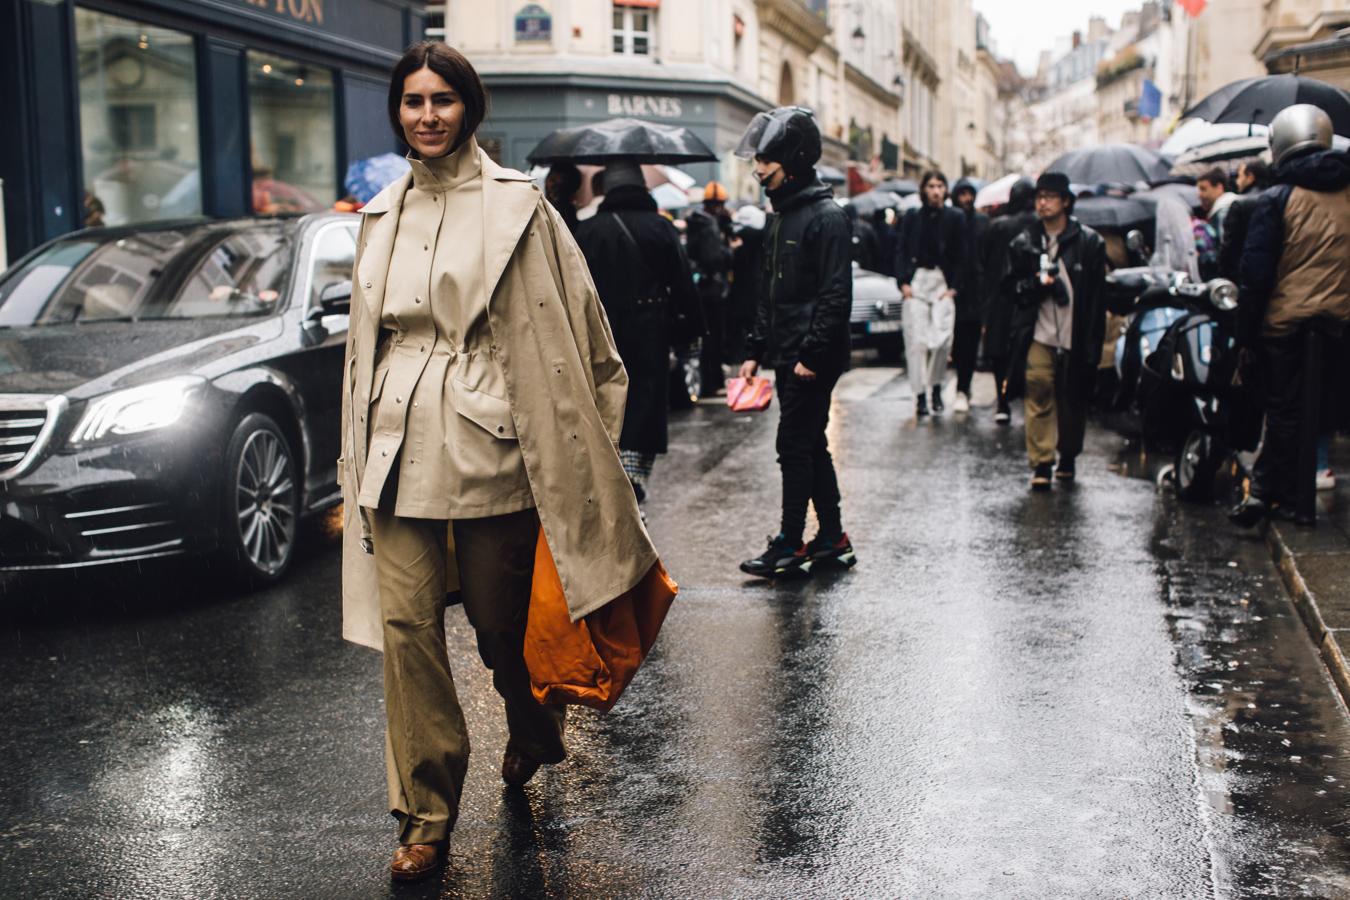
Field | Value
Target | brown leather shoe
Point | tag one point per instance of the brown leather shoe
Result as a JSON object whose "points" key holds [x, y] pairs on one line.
{"points": [[518, 768], [415, 861]]}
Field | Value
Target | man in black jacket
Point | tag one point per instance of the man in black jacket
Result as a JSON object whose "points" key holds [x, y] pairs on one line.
{"points": [[1252, 178], [801, 328], [647, 289], [1017, 216], [928, 267], [1058, 274], [708, 241], [970, 302]]}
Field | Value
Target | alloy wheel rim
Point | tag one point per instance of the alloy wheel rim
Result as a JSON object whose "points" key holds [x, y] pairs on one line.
{"points": [[265, 501], [1190, 458]]}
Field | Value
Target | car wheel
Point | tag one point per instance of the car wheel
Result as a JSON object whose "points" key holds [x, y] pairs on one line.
{"points": [[1196, 467], [261, 501]]}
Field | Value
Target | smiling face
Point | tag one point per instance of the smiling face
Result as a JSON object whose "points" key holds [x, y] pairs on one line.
{"points": [[431, 114]]}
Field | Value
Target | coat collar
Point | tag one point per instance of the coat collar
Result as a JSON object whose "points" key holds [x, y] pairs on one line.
{"points": [[509, 202]]}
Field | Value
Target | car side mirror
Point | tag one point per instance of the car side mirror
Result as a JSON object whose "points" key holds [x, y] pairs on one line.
{"points": [[334, 300]]}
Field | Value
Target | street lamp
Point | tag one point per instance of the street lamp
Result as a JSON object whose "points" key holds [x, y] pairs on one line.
{"points": [[859, 39], [898, 82]]}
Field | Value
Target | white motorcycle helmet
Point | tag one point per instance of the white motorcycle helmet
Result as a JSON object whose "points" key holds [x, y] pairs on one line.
{"points": [[1298, 129]]}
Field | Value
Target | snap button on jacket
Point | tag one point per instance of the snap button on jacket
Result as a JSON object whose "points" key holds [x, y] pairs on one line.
{"points": [[564, 388]]}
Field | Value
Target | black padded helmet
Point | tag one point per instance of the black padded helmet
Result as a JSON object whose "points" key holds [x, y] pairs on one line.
{"points": [[787, 135]]}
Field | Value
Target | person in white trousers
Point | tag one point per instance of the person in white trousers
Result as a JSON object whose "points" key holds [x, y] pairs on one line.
{"points": [[928, 268]]}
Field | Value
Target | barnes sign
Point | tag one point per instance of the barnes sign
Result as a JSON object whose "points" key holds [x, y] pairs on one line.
{"points": [[310, 11]]}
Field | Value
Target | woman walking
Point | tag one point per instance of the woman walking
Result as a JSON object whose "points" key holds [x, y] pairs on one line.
{"points": [[928, 268], [482, 400]]}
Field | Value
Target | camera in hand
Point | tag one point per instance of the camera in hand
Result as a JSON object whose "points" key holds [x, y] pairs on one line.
{"points": [[1049, 276]]}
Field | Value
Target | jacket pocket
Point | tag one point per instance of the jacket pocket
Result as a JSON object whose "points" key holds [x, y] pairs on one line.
{"points": [[492, 414]]}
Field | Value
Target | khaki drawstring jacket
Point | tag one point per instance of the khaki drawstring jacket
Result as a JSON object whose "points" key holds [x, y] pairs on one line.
{"points": [[564, 383]]}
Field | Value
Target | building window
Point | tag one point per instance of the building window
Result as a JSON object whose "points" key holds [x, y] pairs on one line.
{"points": [[138, 121], [435, 21], [634, 30], [294, 141]]}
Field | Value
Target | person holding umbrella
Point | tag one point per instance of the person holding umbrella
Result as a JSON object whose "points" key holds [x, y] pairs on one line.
{"points": [[482, 396], [801, 328], [647, 287]]}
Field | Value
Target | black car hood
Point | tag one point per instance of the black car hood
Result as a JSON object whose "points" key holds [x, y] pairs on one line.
{"points": [[87, 359]]}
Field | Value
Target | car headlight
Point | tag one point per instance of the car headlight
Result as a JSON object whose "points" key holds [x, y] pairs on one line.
{"points": [[136, 410], [1224, 294]]}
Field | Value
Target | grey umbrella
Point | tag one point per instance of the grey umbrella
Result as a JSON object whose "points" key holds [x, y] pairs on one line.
{"points": [[869, 202], [1111, 164], [613, 140], [1256, 101], [1114, 213], [902, 186]]}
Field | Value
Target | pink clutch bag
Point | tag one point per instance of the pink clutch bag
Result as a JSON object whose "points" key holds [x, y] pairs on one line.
{"points": [[749, 394]]}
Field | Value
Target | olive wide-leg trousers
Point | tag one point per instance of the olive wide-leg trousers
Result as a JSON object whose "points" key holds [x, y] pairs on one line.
{"points": [[427, 742]]}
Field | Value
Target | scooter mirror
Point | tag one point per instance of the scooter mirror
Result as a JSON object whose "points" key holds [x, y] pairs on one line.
{"points": [[1134, 240]]}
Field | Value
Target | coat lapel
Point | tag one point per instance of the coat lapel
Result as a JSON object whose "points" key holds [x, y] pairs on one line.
{"points": [[509, 202], [379, 243]]}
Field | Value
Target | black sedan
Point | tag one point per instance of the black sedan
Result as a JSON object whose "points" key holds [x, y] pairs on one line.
{"points": [[172, 388]]}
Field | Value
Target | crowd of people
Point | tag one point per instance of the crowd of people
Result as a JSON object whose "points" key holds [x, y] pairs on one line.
{"points": [[494, 361], [1021, 292]]}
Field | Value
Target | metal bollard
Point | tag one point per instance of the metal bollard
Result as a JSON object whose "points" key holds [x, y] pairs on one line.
{"points": [[1305, 472]]}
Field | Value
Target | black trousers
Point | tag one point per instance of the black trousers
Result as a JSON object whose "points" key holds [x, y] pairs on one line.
{"points": [[714, 345], [1000, 366], [965, 349], [804, 452], [1281, 361]]}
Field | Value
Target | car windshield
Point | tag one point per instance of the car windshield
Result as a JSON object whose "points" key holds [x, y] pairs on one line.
{"points": [[189, 273]]}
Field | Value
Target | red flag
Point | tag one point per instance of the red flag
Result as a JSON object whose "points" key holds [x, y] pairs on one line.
{"points": [[1193, 7]]}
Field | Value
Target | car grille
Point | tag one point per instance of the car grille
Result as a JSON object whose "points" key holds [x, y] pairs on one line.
{"points": [[124, 524], [26, 423], [867, 311]]}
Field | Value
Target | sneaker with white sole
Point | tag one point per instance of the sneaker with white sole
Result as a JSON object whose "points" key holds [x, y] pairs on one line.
{"points": [[962, 403], [1326, 480]]}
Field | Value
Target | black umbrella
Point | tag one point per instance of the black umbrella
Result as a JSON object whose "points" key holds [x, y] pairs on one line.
{"points": [[622, 139], [831, 175], [902, 186], [1111, 163], [1112, 212], [1257, 101], [1186, 193], [869, 202]]}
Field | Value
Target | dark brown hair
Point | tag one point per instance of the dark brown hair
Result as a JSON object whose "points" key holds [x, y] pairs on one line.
{"points": [[1215, 176], [457, 71], [931, 175]]}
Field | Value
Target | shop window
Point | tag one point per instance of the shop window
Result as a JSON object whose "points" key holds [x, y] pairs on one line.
{"points": [[634, 30], [435, 22], [292, 124], [138, 120]]}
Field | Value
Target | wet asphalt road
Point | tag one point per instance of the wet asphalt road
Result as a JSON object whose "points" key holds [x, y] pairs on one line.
{"points": [[1097, 692]]}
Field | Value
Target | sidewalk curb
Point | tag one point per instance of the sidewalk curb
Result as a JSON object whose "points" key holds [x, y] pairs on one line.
{"points": [[1306, 603]]}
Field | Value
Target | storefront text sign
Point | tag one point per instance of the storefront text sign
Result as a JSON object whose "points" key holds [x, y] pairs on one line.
{"points": [[533, 23], [645, 105], [299, 10]]}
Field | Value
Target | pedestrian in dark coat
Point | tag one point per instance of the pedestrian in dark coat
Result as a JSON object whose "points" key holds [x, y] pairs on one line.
{"points": [[929, 269], [708, 242], [865, 248], [1295, 273], [748, 248], [1017, 216], [972, 298], [801, 328], [1058, 274], [1252, 179], [560, 187], [647, 289]]}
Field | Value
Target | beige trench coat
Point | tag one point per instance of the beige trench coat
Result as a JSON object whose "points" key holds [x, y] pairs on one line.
{"points": [[564, 381]]}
